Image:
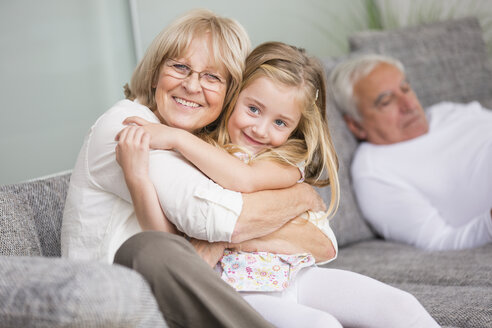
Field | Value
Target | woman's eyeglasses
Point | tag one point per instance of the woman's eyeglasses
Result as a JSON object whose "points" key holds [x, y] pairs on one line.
{"points": [[208, 80]]}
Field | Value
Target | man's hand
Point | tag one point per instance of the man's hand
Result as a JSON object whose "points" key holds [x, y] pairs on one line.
{"points": [[209, 252]]}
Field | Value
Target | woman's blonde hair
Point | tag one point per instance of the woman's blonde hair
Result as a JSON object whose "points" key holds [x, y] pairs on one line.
{"points": [[311, 141], [230, 46]]}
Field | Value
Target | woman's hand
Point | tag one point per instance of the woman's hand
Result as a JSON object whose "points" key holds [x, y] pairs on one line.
{"points": [[132, 153], [294, 237], [311, 197], [161, 136], [209, 252]]}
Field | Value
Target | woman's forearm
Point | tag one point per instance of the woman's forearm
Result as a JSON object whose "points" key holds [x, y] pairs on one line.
{"points": [[296, 236], [266, 211]]}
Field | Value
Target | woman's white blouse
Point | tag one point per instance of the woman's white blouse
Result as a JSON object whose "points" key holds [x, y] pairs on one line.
{"points": [[99, 214]]}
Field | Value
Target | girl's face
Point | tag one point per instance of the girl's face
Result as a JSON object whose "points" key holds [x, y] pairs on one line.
{"points": [[265, 115], [183, 102]]}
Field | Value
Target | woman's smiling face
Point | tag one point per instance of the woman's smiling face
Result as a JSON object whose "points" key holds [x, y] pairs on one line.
{"points": [[183, 103], [265, 115]]}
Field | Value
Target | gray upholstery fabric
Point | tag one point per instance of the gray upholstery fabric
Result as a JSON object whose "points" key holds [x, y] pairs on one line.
{"points": [[487, 103], [348, 223], [455, 306], [398, 263], [443, 61], [49, 292], [454, 286], [44, 201], [18, 234], [42, 292]]}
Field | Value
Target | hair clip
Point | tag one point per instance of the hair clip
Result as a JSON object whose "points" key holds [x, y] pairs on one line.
{"points": [[317, 93]]}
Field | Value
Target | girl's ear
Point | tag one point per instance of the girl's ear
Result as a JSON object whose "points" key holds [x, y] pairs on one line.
{"points": [[355, 127]]}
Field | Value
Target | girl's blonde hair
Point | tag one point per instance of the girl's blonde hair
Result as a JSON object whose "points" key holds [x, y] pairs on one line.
{"points": [[311, 141], [230, 46]]}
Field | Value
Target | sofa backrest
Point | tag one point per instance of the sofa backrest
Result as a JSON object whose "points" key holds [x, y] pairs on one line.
{"points": [[443, 61], [31, 215]]}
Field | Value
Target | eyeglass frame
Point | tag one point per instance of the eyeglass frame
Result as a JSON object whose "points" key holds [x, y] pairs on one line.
{"points": [[170, 63]]}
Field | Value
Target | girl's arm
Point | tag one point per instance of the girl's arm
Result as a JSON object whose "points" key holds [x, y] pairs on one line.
{"points": [[132, 153], [225, 169]]}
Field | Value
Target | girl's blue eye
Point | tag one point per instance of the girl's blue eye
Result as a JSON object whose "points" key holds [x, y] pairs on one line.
{"points": [[279, 122], [253, 109]]}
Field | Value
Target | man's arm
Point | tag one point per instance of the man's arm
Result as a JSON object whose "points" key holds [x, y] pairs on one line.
{"points": [[402, 214]]}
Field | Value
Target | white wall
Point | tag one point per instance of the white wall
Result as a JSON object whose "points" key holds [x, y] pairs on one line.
{"points": [[62, 63], [319, 26]]}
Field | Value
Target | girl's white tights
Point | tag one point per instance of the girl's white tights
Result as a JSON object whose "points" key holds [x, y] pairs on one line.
{"points": [[334, 298]]}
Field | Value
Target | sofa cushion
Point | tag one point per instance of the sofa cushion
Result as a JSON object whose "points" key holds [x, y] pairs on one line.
{"points": [[54, 292], [454, 307], [454, 286], [444, 61], [18, 234], [348, 223], [399, 263], [487, 103], [46, 199]]}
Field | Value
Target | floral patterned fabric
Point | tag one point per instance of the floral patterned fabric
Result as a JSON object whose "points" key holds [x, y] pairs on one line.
{"points": [[262, 271], [268, 272]]}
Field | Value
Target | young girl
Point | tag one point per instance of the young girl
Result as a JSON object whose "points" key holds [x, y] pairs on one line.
{"points": [[277, 131]]}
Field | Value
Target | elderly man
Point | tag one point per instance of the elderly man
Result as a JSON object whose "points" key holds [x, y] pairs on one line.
{"points": [[423, 178]]}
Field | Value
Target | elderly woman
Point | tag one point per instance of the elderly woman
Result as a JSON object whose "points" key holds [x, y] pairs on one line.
{"points": [[99, 213]]}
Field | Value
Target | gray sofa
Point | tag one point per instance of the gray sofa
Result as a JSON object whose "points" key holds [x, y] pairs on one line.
{"points": [[443, 61], [38, 289]]}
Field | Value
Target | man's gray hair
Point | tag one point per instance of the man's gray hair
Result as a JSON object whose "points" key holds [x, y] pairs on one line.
{"points": [[347, 73]]}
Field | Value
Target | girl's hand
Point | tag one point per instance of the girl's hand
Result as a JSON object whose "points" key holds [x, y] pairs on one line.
{"points": [[161, 136], [132, 153]]}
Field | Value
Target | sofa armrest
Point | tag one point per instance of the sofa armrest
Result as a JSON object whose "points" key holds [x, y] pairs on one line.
{"points": [[55, 292]]}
